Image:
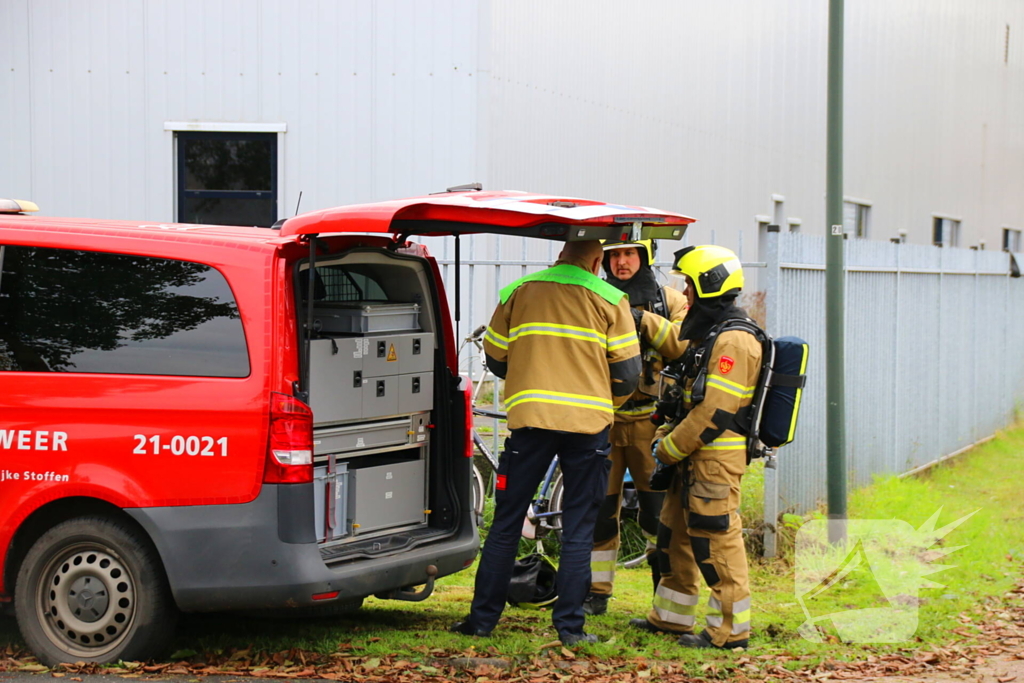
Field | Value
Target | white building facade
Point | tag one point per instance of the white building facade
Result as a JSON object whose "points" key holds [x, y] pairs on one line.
{"points": [[213, 110]]}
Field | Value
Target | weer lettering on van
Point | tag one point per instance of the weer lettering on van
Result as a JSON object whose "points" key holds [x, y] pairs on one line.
{"points": [[32, 440]]}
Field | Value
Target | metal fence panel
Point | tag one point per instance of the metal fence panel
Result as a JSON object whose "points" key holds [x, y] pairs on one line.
{"points": [[931, 366]]}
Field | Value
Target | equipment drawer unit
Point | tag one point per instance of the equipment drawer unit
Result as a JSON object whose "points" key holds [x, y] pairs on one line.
{"points": [[336, 379], [331, 501], [380, 397], [388, 496], [352, 438], [393, 354], [415, 392], [365, 317]]}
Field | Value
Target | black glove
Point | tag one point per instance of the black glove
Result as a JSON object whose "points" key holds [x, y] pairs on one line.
{"points": [[662, 476]]}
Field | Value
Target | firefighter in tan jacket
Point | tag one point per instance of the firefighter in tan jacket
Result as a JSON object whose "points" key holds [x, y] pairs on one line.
{"points": [[701, 534], [627, 266], [565, 342]]}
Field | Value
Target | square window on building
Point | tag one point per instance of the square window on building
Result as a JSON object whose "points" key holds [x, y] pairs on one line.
{"points": [[1011, 239], [227, 178], [855, 219], [945, 232]]}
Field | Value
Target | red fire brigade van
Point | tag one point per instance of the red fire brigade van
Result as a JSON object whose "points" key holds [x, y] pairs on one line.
{"points": [[205, 418]]}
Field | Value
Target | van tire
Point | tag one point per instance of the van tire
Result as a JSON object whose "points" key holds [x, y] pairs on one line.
{"points": [[93, 589]]}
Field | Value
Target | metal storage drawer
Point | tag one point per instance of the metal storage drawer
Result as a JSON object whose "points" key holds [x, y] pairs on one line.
{"points": [[415, 392], [361, 436], [416, 352], [333, 393], [380, 397], [381, 355], [388, 496]]}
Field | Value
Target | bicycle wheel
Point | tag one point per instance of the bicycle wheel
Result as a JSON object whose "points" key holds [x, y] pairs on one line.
{"points": [[556, 494], [479, 491]]}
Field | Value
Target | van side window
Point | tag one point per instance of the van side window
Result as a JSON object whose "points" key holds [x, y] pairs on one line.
{"points": [[93, 312]]}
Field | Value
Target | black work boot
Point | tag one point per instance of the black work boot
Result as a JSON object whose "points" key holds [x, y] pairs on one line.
{"points": [[569, 639], [645, 625], [595, 604], [466, 628], [703, 641]]}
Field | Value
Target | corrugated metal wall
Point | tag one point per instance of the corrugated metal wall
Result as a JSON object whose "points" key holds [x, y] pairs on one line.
{"points": [[932, 361], [706, 108], [379, 98], [710, 108]]}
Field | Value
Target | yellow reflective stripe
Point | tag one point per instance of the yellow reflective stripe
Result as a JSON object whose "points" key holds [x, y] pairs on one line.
{"points": [[741, 618], [643, 410], [559, 398], [557, 330], [663, 329], [799, 394], [731, 443], [715, 382], [602, 567], [671, 449], [664, 603], [616, 343], [730, 383], [496, 339]]}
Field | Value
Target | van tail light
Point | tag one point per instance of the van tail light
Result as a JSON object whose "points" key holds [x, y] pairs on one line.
{"points": [[290, 452], [468, 394]]}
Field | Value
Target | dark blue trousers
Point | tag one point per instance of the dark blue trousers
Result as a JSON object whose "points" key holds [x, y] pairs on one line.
{"points": [[523, 464]]}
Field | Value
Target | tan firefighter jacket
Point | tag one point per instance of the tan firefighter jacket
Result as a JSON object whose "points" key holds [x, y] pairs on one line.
{"points": [[566, 344], [640, 405], [716, 457]]}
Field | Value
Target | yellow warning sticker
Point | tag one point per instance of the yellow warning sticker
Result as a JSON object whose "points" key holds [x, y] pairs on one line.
{"points": [[392, 356]]}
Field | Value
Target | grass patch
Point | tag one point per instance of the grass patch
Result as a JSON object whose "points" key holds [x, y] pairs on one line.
{"points": [[982, 572]]}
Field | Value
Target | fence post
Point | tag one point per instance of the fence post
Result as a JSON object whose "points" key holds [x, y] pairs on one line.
{"points": [[771, 321]]}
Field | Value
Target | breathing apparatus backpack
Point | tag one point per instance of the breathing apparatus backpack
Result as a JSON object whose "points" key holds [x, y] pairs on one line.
{"points": [[770, 420]]}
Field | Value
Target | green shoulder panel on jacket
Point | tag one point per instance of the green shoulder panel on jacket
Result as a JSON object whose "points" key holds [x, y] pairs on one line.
{"points": [[568, 275]]}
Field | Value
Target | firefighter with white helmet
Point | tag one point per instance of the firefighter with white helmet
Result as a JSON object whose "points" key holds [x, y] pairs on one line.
{"points": [[627, 266], [701, 534]]}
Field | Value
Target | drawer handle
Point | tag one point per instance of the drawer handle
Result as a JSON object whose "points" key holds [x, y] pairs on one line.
{"points": [[380, 388], [382, 349], [415, 385], [357, 379], [416, 347]]}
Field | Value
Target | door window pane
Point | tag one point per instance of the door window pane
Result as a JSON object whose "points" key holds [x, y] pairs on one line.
{"points": [[79, 311]]}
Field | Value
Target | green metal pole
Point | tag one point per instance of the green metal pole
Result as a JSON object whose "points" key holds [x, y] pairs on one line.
{"points": [[834, 304]]}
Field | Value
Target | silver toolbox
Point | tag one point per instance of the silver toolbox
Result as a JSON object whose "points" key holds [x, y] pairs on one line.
{"points": [[335, 380], [331, 502], [380, 397], [415, 392], [362, 436], [388, 496], [363, 317]]}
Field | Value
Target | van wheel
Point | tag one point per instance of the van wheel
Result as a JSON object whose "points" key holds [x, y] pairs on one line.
{"points": [[91, 590]]}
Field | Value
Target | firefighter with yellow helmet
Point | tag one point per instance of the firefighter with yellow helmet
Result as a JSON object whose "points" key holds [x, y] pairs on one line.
{"points": [[700, 532], [627, 266]]}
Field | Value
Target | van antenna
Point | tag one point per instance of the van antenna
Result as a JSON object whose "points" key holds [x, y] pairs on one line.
{"points": [[298, 203]]}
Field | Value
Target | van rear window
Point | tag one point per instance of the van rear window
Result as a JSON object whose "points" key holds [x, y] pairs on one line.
{"points": [[93, 312]]}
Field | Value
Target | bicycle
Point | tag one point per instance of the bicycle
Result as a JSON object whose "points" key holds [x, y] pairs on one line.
{"points": [[545, 511]]}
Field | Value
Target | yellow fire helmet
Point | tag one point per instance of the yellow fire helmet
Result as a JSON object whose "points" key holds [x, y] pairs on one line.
{"points": [[715, 271], [647, 248]]}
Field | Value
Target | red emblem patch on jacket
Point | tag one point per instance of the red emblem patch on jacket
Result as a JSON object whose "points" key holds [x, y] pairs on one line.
{"points": [[500, 483], [725, 365]]}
